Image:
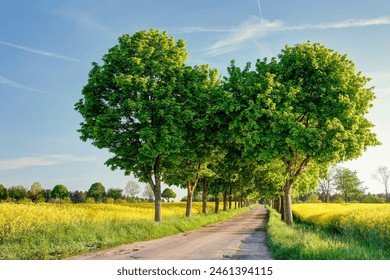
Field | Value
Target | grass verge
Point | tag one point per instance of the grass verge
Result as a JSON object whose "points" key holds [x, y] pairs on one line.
{"points": [[58, 241], [308, 242]]}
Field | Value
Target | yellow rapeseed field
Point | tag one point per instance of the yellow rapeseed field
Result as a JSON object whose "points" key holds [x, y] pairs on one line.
{"points": [[370, 222], [20, 217]]}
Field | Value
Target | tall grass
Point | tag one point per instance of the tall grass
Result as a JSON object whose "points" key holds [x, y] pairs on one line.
{"points": [[60, 240], [310, 242]]}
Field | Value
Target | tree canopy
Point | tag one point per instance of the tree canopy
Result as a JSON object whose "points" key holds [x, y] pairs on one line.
{"points": [[348, 183], [130, 108], [278, 123], [307, 105], [168, 193], [97, 191], [59, 191]]}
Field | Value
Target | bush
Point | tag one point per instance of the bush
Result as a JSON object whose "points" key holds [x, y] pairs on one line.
{"points": [[338, 199], [90, 200], [313, 198], [371, 198]]}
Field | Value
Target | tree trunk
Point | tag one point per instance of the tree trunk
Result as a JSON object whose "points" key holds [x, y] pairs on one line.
{"points": [[281, 207], [278, 204], [327, 198], [190, 193], [288, 218], [216, 203], [204, 196], [156, 187], [225, 195], [230, 197]]}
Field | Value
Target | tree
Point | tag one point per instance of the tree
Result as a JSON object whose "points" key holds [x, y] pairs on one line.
{"points": [[97, 191], [60, 191], [114, 193], [168, 193], [129, 106], [132, 189], [348, 184], [313, 198], [309, 104], [78, 196], [383, 175], [17, 192], [199, 87], [36, 191], [326, 183], [148, 193], [3, 193]]}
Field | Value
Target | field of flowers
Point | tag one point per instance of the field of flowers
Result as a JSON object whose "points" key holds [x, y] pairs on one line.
{"points": [[56, 231], [16, 218], [369, 223]]}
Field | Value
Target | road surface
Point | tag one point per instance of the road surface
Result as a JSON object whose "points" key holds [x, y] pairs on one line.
{"points": [[241, 237]]}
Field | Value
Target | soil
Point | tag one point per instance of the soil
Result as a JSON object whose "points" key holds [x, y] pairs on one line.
{"points": [[241, 237]]}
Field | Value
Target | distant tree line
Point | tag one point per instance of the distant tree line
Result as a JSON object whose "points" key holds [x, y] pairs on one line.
{"points": [[97, 193]]}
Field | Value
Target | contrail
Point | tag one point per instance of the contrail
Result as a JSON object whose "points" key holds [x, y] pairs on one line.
{"points": [[40, 52], [261, 14]]}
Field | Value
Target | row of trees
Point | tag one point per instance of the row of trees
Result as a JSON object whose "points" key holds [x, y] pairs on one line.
{"points": [[257, 131], [96, 193]]}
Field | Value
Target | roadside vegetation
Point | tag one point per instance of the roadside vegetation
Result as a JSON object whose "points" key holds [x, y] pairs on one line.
{"points": [[61, 231], [314, 239]]}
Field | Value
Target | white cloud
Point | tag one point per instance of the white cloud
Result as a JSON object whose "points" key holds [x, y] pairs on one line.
{"points": [[39, 52], [44, 160], [254, 28]]}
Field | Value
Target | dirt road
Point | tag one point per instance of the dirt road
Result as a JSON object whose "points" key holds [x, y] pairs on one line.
{"points": [[241, 237]]}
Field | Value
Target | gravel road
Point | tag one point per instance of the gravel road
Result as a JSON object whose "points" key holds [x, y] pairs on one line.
{"points": [[241, 237]]}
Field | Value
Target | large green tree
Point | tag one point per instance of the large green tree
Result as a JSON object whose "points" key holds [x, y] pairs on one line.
{"points": [[168, 193], [97, 191], [130, 108], [348, 183], [308, 104], [60, 191]]}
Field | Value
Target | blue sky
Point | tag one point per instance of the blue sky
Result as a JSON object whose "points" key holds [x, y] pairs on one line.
{"points": [[47, 47]]}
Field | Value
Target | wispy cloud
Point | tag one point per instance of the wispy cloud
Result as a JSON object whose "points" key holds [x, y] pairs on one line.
{"points": [[10, 83], [82, 18], [39, 52], [254, 28], [44, 160]]}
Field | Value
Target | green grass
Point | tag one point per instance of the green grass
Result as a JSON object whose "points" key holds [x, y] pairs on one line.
{"points": [[62, 241], [308, 242]]}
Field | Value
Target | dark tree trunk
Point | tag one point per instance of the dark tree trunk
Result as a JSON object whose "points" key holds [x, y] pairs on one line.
{"points": [[288, 217], [225, 195], [281, 207], [216, 203], [204, 196], [230, 197]]}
